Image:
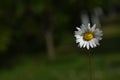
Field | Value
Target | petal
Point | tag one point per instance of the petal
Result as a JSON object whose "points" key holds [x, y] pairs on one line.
{"points": [[99, 38], [96, 41], [84, 44], [82, 25], [81, 43], [94, 45], [88, 45], [91, 44], [93, 28], [77, 36], [78, 32], [98, 34], [83, 28], [78, 28], [78, 40], [89, 26]]}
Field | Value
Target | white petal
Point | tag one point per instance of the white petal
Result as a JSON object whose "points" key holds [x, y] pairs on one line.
{"points": [[93, 28], [88, 45], [85, 43], [89, 26], [82, 25], [81, 43], [83, 28], [98, 32], [78, 28], [78, 40], [94, 45], [99, 38], [78, 32], [77, 36], [91, 44], [96, 41]]}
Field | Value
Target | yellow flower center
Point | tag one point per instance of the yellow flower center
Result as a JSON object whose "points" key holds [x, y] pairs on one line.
{"points": [[88, 36]]}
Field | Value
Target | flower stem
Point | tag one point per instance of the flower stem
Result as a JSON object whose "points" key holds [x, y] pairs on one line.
{"points": [[90, 66]]}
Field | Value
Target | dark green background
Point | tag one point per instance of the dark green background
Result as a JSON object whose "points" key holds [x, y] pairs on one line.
{"points": [[37, 40]]}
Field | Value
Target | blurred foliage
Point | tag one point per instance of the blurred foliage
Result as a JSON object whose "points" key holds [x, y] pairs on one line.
{"points": [[69, 67], [26, 17], [4, 39]]}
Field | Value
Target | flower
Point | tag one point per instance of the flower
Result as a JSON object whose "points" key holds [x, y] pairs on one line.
{"points": [[87, 36]]}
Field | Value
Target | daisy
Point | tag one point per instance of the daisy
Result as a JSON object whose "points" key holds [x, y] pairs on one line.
{"points": [[87, 36]]}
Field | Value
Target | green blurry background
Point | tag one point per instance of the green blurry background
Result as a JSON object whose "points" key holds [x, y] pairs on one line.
{"points": [[37, 40]]}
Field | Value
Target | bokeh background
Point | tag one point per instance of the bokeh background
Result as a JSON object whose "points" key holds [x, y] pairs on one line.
{"points": [[37, 39]]}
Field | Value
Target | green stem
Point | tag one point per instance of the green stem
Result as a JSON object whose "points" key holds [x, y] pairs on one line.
{"points": [[90, 66]]}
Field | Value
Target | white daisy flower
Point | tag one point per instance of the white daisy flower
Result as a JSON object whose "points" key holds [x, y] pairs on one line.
{"points": [[87, 36]]}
